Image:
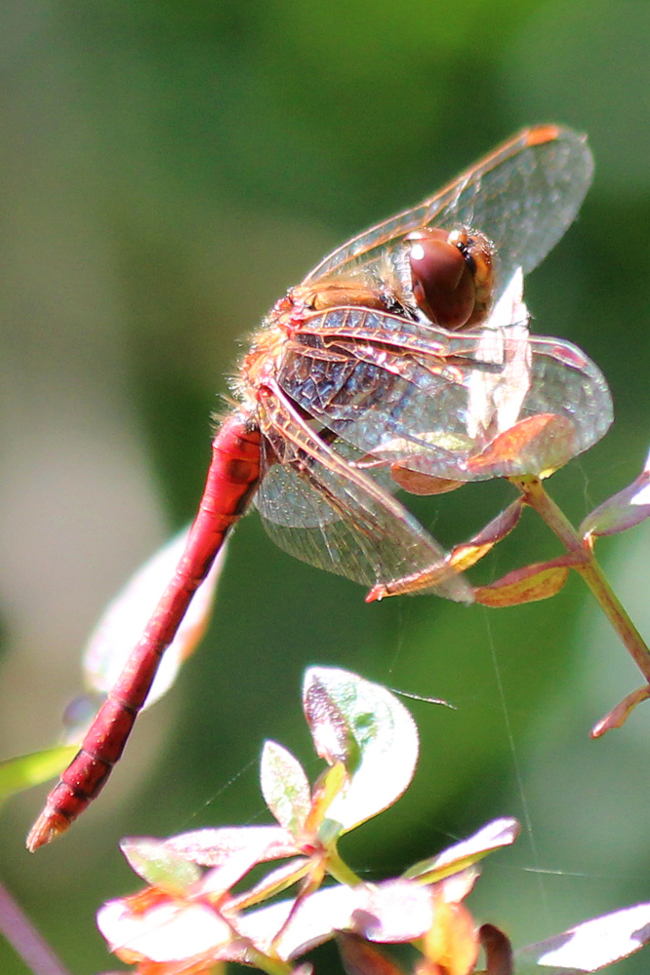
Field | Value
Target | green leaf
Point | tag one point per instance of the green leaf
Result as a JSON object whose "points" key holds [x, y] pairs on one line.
{"points": [[156, 864], [285, 787], [500, 832], [18, 774], [364, 726]]}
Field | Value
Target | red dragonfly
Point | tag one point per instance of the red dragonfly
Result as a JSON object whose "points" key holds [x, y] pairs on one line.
{"points": [[383, 369]]}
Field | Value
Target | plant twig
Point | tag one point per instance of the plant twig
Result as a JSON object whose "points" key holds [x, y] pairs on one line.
{"points": [[25, 939], [587, 566]]}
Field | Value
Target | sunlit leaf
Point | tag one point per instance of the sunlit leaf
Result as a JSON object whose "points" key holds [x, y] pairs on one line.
{"points": [[213, 847], [169, 931], [589, 946], [526, 585], [395, 911], [539, 444], [623, 510], [285, 787], [18, 774], [366, 727], [492, 836], [468, 553], [158, 865]]}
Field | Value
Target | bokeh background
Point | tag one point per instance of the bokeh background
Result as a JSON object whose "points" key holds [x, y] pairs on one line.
{"points": [[167, 169]]}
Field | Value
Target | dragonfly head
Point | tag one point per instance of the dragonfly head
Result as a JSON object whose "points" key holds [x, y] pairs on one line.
{"points": [[451, 274]]}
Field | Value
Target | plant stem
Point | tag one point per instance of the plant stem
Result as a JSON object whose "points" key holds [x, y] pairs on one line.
{"points": [[587, 566], [25, 939], [339, 870]]}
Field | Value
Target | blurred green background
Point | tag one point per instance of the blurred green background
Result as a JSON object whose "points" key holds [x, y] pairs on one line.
{"points": [[167, 169]]}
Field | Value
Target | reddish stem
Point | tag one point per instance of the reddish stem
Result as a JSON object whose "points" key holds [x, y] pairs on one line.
{"points": [[589, 569]]}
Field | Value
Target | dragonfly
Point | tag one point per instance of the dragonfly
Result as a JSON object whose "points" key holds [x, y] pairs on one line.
{"points": [[388, 367]]}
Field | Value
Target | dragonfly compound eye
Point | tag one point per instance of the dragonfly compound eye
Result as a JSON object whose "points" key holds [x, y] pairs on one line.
{"points": [[451, 275]]}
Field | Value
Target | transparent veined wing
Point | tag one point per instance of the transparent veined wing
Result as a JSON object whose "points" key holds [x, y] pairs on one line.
{"points": [[463, 406], [322, 510], [523, 196]]}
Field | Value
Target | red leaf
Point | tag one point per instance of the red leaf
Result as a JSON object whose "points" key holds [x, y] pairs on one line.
{"points": [[530, 584], [623, 510]]}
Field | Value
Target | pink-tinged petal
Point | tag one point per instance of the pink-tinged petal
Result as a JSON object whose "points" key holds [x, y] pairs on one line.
{"points": [[213, 847], [167, 932], [591, 945], [364, 726], [498, 833], [285, 787], [393, 912]]}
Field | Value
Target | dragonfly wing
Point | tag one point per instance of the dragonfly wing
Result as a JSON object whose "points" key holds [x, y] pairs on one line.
{"points": [[321, 510], [523, 196], [434, 401]]}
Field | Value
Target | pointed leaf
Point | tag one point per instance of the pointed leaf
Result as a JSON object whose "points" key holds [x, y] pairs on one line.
{"points": [[285, 787], [589, 946], [18, 774], [158, 865], [492, 836], [623, 510], [370, 731], [213, 847], [619, 715], [527, 585], [468, 553]]}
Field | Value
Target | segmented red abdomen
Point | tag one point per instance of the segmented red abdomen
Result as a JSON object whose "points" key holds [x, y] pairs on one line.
{"points": [[232, 479]]}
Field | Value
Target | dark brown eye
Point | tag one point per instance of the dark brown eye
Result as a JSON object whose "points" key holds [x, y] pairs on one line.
{"points": [[451, 275]]}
